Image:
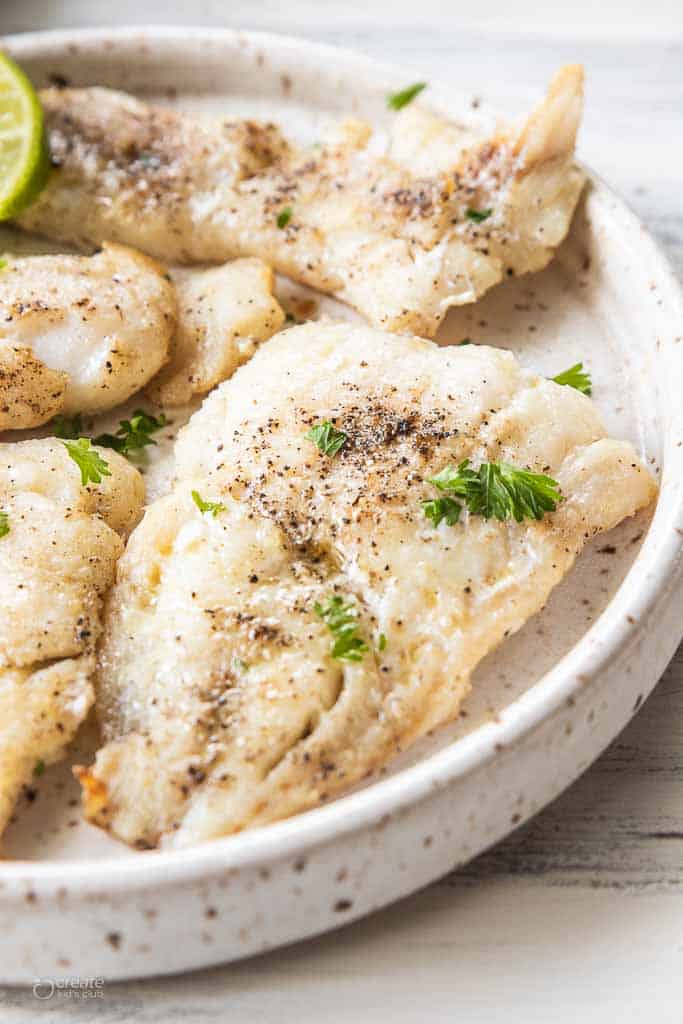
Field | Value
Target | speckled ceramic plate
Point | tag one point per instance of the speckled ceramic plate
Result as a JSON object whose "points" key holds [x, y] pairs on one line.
{"points": [[73, 902]]}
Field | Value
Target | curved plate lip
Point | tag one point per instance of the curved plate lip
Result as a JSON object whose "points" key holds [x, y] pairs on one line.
{"points": [[647, 583]]}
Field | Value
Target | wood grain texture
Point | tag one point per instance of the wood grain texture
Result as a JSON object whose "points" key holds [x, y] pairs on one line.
{"points": [[578, 914]]}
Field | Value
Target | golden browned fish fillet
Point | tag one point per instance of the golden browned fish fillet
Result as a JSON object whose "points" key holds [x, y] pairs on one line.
{"points": [[58, 555], [222, 702], [432, 220]]}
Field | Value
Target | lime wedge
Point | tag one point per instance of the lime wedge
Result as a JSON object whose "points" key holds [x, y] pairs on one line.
{"points": [[24, 157]]}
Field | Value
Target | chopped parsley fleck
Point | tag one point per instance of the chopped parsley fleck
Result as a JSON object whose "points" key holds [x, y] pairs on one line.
{"points": [[39, 768], [496, 490], [477, 215], [575, 377], [70, 427], [284, 217], [399, 100], [465, 341], [382, 642], [329, 440], [437, 509], [3, 263], [134, 434], [4, 524], [341, 618], [91, 464], [213, 507]]}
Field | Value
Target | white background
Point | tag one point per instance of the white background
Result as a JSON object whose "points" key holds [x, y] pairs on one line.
{"points": [[579, 915]]}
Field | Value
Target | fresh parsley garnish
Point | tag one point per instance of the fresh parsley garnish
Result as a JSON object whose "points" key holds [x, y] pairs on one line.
{"points": [[465, 341], [437, 509], [3, 263], [477, 215], [213, 507], [70, 427], [133, 435], [91, 464], [328, 439], [4, 524], [575, 377], [399, 100], [496, 490], [284, 217], [341, 618], [39, 768], [382, 642]]}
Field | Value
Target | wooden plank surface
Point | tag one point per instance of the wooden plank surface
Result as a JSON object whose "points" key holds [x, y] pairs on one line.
{"points": [[579, 915]]}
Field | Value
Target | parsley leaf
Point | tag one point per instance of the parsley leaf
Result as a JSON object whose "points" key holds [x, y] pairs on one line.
{"points": [[327, 438], [399, 100], [4, 524], [70, 427], [214, 507], [133, 435], [498, 490], [341, 618], [284, 217], [437, 509], [477, 215], [382, 642], [575, 377], [3, 263], [91, 464], [39, 768]]}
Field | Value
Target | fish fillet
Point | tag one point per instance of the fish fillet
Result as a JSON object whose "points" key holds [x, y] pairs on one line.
{"points": [[222, 705], [56, 562], [223, 314], [401, 232], [80, 334]]}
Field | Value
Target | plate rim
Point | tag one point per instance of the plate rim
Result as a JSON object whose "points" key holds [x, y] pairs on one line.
{"points": [[652, 576]]}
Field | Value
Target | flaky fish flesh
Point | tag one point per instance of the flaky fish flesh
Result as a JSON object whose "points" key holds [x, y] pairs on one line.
{"points": [[82, 334], [58, 556], [225, 700], [402, 232]]}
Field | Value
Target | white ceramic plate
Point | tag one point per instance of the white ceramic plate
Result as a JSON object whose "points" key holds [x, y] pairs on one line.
{"points": [[72, 902]]}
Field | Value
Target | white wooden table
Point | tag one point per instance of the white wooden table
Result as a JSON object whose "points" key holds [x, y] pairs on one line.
{"points": [[579, 915]]}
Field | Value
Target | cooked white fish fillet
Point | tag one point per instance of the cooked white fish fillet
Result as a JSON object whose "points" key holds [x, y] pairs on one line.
{"points": [[80, 334], [223, 314], [434, 220], [56, 562], [222, 705]]}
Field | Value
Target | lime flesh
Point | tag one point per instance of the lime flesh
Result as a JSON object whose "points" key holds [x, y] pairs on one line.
{"points": [[24, 157]]}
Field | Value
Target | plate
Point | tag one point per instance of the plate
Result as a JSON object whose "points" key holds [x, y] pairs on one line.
{"points": [[75, 903]]}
